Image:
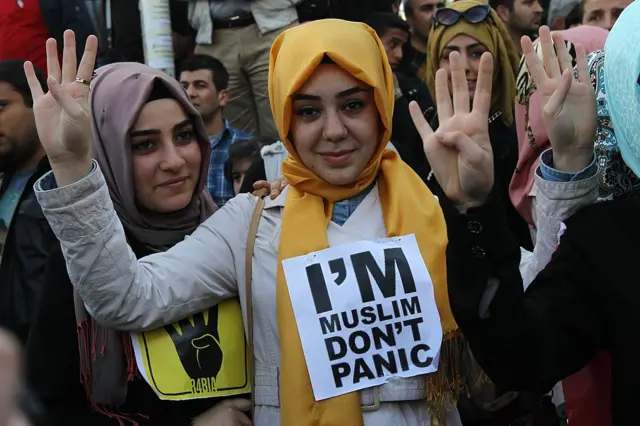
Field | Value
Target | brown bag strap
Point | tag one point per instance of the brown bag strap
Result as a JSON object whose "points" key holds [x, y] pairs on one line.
{"points": [[251, 240]]}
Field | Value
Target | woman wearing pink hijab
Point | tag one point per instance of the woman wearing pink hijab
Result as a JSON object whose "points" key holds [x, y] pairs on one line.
{"points": [[532, 134]]}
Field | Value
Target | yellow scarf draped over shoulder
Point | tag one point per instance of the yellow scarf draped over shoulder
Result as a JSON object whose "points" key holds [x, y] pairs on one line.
{"points": [[407, 204]]}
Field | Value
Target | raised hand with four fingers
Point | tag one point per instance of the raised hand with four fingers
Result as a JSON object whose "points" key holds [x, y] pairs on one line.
{"points": [[63, 116], [568, 104], [459, 152]]}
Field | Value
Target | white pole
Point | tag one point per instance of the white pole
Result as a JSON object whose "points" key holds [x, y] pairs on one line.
{"points": [[157, 36]]}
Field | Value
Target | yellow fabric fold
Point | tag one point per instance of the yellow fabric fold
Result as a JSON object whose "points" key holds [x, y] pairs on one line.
{"points": [[408, 205]]}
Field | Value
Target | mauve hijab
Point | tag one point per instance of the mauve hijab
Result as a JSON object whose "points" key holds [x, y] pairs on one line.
{"points": [[118, 94]]}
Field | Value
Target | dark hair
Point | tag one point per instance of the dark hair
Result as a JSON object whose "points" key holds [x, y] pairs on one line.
{"points": [[407, 5], [219, 73], [12, 72], [506, 3], [381, 22], [240, 150], [574, 17]]}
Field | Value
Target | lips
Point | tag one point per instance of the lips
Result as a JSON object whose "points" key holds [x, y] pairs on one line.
{"points": [[173, 183], [337, 158]]}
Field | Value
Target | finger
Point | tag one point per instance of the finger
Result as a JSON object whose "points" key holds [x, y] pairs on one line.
{"points": [[275, 188], [240, 404], [554, 105], [549, 57], [53, 64], [470, 151], [482, 97], [423, 128], [243, 420], [64, 99], [459, 84], [88, 61], [534, 64], [69, 60], [581, 64], [443, 97], [32, 80], [564, 57]]}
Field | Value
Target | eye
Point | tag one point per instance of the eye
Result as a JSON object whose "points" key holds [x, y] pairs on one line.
{"points": [[143, 146], [306, 111], [477, 54], [185, 136], [351, 106]]}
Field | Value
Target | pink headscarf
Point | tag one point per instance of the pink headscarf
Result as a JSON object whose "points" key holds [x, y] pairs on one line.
{"points": [[532, 134]]}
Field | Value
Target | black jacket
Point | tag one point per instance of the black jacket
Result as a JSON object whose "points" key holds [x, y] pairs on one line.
{"points": [[28, 244], [61, 15], [584, 301], [53, 365]]}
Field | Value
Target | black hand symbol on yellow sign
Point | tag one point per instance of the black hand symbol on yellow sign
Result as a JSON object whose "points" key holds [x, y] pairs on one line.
{"points": [[197, 342]]}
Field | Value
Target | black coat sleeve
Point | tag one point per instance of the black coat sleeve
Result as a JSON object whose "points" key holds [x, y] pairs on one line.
{"points": [[51, 353], [523, 340]]}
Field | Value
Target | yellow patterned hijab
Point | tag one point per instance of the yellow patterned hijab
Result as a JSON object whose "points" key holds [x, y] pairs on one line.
{"points": [[407, 204]]}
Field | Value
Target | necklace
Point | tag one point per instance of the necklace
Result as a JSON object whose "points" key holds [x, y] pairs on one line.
{"points": [[495, 116]]}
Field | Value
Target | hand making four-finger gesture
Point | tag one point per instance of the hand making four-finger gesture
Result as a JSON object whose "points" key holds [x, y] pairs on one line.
{"points": [[568, 105], [459, 152], [63, 118]]}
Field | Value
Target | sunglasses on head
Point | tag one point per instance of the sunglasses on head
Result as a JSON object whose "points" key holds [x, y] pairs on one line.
{"points": [[474, 15]]}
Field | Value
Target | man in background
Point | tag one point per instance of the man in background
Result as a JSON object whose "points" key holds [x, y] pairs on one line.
{"points": [[25, 236], [419, 14], [603, 13], [206, 81], [522, 17]]}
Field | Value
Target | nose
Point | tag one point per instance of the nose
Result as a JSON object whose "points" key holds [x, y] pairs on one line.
{"points": [[334, 130], [537, 7], [171, 160], [191, 91], [464, 62], [397, 53], [608, 22]]}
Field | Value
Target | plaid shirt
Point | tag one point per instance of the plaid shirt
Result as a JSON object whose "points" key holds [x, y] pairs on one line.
{"points": [[220, 189]]}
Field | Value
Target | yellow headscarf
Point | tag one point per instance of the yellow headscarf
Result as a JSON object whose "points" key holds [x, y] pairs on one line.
{"points": [[408, 205], [493, 34]]}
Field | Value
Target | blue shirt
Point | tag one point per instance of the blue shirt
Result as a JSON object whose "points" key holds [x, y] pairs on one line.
{"points": [[221, 189], [9, 203], [342, 210], [547, 172]]}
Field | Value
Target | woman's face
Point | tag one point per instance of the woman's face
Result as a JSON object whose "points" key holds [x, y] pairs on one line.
{"points": [[166, 157], [335, 126], [238, 171], [470, 51]]}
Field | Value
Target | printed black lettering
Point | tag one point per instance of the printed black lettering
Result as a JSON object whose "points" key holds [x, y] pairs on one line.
{"points": [[318, 288], [415, 358], [365, 342], [365, 266], [341, 351], [411, 306], [396, 309], [362, 371], [389, 364], [354, 319], [379, 336], [340, 371], [330, 327], [382, 316], [415, 329], [337, 266], [404, 363], [368, 315]]}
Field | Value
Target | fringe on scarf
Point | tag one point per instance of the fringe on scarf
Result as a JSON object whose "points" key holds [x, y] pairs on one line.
{"points": [[457, 374], [89, 350]]}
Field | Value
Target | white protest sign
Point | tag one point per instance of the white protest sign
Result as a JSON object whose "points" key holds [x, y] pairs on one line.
{"points": [[365, 312]]}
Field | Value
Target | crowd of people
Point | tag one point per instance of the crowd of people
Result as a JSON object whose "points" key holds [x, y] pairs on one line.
{"points": [[224, 247]]}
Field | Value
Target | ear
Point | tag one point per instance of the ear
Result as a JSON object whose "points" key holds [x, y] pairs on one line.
{"points": [[504, 13], [223, 97]]}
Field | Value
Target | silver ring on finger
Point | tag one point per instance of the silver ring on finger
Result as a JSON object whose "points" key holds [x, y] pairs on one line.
{"points": [[83, 81]]}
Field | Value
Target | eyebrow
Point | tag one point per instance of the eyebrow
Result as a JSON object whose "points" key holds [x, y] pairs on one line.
{"points": [[471, 46], [149, 132], [343, 94]]}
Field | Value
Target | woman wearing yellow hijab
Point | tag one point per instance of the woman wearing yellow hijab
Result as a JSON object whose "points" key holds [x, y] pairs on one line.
{"points": [[472, 28], [332, 96]]}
